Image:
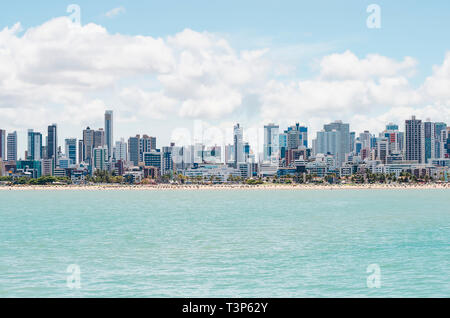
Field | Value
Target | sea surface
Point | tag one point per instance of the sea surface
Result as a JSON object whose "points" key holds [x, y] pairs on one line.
{"points": [[225, 243]]}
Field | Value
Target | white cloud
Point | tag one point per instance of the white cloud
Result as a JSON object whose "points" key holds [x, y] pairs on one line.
{"points": [[115, 12], [61, 72], [348, 66], [368, 92], [437, 86], [59, 63], [144, 104]]}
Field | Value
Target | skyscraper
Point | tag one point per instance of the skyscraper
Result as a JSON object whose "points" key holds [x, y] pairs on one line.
{"points": [[88, 142], [92, 139], [283, 143], [365, 138], [146, 144], [134, 149], [166, 161], [153, 159], [334, 139], [447, 144], [238, 144], [271, 143], [81, 150], [2, 144], [382, 149], [34, 145], [120, 151], [297, 136], [352, 141], [395, 138], [429, 140], [414, 136], [12, 146], [52, 142], [293, 138], [109, 131], [100, 158], [71, 149], [438, 129], [99, 138]]}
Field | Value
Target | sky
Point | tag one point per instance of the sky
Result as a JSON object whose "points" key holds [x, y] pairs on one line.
{"points": [[169, 67]]}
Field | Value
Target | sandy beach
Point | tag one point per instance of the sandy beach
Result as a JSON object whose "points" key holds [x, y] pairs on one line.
{"points": [[227, 187]]}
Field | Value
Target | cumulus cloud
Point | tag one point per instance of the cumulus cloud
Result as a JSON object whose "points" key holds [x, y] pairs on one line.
{"points": [[368, 91], [67, 73], [60, 63], [437, 86], [145, 104], [347, 65]]}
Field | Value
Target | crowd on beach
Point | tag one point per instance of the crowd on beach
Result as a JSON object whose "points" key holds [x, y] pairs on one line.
{"points": [[229, 186]]}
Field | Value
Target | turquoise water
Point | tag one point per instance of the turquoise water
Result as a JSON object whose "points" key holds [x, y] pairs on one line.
{"points": [[237, 243]]}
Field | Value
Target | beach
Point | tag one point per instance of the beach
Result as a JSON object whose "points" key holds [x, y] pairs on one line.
{"points": [[227, 187]]}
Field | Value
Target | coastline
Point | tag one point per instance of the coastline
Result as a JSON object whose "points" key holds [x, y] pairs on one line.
{"points": [[229, 187]]}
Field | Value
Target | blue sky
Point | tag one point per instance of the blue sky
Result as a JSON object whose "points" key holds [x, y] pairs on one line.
{"points": [[409, 27], [314, 45]]}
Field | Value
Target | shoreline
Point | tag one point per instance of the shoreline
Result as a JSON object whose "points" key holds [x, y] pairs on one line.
{"points": [[229, 187]]}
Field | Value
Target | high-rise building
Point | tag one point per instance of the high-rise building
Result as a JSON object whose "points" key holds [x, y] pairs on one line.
{"points": [[297, 136], [429, 140], [120, 150], [81, 150], [443, 136], [92, 139], [382, 148], [12, 146], [109, 132], [326, 142], [238, 137], [303, 134], [415, 140], [100, 158], [34, 167], [229, 154], [88, 143], [283, 144], [34, 145], [334, 139], [293, 138], [166, 161], [247, 151], [439, 143], [99, 138], [48, 167], [71, 149], [352, 141], [52, 142], [447, 144], [146, 144], [2, 144], [271, 143], [395, 139], [134, 149], [153, 159]]}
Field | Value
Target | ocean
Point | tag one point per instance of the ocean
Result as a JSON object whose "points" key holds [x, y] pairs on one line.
{"points": [[225, 243]]}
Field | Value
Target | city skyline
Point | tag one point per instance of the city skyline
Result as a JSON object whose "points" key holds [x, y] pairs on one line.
{"points": [[335, 154], [243, 138]]}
